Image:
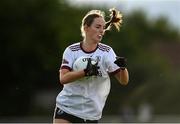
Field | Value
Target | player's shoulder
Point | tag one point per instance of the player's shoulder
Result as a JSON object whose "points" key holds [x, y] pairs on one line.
{"points": [[103, 47], [74, 46]]}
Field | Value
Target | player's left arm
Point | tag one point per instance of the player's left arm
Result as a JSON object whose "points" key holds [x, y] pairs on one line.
{"points": [[122, 76], [117, 67]]}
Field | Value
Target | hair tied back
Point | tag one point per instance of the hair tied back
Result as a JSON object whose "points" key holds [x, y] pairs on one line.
{"points": [[115, 19]]}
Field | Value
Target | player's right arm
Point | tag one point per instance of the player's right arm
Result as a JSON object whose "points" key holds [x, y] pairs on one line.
{"points": [[66, 73], [67, 76]]}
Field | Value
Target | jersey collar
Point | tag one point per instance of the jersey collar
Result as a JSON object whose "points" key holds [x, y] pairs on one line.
{"points": [[88, 51]]}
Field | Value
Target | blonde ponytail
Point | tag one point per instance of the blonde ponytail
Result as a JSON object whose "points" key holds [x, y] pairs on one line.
{"points": [[116, 19]]}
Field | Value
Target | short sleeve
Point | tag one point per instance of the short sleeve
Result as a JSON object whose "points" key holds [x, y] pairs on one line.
{"points": [[111, 66], [67, 59]]}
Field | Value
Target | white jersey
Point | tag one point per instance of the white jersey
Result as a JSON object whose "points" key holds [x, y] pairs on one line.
{"points": [[85, 98]]}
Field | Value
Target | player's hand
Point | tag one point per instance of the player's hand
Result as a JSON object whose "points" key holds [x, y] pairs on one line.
{"points": [[121, 62], [91, 69]]}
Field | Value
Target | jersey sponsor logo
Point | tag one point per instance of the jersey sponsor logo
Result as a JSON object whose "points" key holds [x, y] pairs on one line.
{"points": [[98, 58], [85, 59], [64, 61]]}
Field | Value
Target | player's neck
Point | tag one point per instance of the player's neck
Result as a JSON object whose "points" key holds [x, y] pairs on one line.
{"points": [[89, 46]]}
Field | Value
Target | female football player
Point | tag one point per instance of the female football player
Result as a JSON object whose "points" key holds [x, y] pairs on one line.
{"points": [[85, 91]]}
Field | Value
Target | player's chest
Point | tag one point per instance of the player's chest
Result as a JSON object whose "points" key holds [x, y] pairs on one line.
{"points": [[97, 56]]}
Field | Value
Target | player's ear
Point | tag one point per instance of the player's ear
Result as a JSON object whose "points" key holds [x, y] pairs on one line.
{"points": [[85, 28]]}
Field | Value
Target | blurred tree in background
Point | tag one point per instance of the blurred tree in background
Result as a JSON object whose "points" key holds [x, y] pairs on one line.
{"points": [[34, 35]]}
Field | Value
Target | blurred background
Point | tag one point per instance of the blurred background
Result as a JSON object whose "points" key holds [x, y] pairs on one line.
{"points": [[34, 34]]}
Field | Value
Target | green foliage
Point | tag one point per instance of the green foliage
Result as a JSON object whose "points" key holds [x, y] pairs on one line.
{"points": [[34, 35]]}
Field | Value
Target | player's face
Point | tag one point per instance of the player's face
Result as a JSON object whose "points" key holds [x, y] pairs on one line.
{"points": [[95, 32]]}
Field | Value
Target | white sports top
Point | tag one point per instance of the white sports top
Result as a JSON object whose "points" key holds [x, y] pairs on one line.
{"points": [[86, 97]]}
